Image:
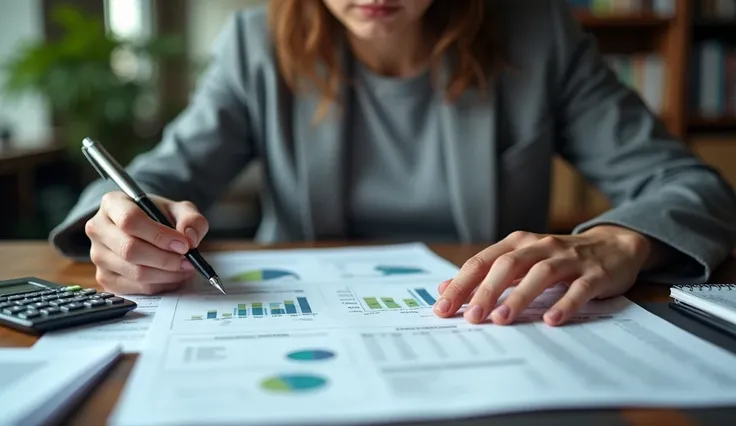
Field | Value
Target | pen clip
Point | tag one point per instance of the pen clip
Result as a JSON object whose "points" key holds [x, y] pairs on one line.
{"points": [[94, 164]]}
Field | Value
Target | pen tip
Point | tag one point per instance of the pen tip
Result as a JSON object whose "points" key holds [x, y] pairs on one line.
{"points": [[215, 281]]}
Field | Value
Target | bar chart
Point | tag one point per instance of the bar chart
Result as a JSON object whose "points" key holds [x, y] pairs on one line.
{"points": [[254, 308], [415, 298], [375, 299], [292, 307]]}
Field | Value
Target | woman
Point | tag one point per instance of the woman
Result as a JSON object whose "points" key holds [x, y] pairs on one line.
{"points": [[422, 120]]}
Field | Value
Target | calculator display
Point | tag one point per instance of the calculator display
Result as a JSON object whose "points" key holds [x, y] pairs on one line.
{"points": [[17, 288]]}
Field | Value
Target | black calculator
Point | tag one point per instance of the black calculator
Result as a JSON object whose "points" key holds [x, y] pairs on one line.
{"points": [[34, 306]]}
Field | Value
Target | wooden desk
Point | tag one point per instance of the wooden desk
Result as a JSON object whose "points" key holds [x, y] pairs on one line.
{"points": [[39, 259]]}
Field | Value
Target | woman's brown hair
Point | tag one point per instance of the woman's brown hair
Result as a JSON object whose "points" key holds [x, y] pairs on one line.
{"points": [[306, 34]]}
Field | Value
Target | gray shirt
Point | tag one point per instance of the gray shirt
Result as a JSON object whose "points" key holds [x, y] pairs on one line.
{"points": [[398, 189]]}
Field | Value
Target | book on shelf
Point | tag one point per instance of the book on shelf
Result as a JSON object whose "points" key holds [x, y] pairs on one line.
{"points": [[713, 79], [645, 73], [604, 8], [715, 9]]}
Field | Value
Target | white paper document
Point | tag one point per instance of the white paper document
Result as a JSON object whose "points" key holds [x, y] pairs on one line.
{"points": [[129, 331], [384, 263], [37, 387], [367, 348]]}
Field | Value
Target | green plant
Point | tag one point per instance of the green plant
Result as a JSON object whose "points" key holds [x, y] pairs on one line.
{"points": [[77, 77]]}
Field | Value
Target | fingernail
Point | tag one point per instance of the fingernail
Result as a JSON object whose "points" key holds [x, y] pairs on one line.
{"points": [[192, 235], [186, 266], [178, 247], [442, 305], [474, 314], [553, 315], [502, 312]]}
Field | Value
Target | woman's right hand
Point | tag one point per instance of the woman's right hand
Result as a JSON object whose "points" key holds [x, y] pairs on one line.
{"points": [[135, 254]]}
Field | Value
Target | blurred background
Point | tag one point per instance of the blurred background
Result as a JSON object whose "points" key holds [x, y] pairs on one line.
{"points": [[119, 70]]}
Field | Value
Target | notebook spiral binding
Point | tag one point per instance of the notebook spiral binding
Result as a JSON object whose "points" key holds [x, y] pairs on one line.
{"points": [[708, 287]]}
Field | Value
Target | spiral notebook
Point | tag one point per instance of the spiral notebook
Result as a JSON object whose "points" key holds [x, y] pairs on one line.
{"points": [[713, 300]]}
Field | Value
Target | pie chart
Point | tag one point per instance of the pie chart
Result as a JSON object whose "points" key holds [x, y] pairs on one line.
{"points": [[311, 355], [293, 383], [264, 275], [399, 270]]}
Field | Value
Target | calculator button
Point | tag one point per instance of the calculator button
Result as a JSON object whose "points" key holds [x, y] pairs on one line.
{"points": [[49, 297], [73, 288], [105, 295], [17, 297], [94, 303], [6, 305], [24, 302], [47, 292], [79, 299], [50, 311], [59, 302], [3, 299], [71, 307], [31, 313], [14, 310], [66, 295], [114, 300], [39, 305], [89, 291]]}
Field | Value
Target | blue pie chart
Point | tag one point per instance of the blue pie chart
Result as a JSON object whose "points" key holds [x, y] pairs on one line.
{"points": [[311, 355], [293, 383], [399, 270]]}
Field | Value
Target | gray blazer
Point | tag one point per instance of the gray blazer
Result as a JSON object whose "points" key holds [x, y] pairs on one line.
{"points": [[557, 96]]}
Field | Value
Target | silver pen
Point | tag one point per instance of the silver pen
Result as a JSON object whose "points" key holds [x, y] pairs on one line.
{"points": [[109, 168]]}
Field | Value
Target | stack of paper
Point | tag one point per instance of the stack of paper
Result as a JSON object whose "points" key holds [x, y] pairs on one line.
{"points": [[39, 387], [129, 331], [349, 336]]}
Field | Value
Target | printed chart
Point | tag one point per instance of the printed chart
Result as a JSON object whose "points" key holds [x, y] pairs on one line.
{"points": [[373, 269], [256, 350], [258, 309], [386, 298], [293, 383], [266, 274], [310, 355], [247, 309]]}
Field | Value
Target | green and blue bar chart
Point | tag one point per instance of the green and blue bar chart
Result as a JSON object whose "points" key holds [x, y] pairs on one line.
{"points": [[299, 306], [415, 298]]}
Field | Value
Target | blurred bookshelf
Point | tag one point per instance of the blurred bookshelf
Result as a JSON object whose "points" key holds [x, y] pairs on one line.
{"points": [[642, 19], [713, 66], [680, 56], [712, 85], [646, 43]]}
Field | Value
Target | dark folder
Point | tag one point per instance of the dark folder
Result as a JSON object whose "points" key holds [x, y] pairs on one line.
{"points": [[704, 317]]}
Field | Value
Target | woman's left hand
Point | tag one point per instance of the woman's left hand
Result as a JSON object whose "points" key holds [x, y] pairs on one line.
{"points": [[599, 263]]}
